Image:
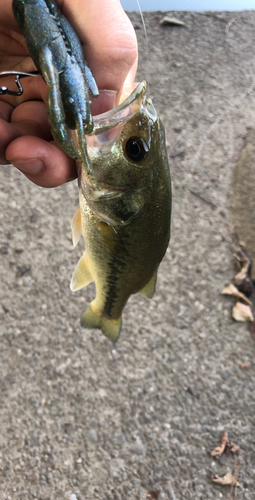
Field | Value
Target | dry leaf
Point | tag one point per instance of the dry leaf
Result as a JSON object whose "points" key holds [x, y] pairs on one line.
{"points": [[245, 365], [242, 312], [232, 290], [152, 495], [172, 21], [246, 287], [233, 447], [224, 445], [242, 243], [227, 480], [239, 277], [246, 266], [217, 452]]}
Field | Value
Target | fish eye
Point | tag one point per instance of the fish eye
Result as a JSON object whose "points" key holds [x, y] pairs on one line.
{"points": [[136, 149]]}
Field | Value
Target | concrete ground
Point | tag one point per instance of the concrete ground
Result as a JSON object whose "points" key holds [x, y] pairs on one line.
{"points": [[81, 418]]}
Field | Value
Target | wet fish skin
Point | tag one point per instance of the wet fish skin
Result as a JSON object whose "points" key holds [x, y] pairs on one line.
{"points": [[124, 217]]}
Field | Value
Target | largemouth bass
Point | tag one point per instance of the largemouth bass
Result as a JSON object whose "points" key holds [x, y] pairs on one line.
{"points": [[124, 211], [124, 183]]}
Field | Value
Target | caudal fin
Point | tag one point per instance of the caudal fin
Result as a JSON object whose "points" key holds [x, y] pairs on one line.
{"points": [[92, 319]]}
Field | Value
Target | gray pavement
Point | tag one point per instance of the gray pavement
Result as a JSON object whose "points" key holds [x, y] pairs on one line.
{"points": [[81, 418]]}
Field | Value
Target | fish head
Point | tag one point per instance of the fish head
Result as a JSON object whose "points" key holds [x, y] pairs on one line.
{"points": [[126, 152]]}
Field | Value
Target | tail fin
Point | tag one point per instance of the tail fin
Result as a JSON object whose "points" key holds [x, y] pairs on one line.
{"points": [[91, 318]]}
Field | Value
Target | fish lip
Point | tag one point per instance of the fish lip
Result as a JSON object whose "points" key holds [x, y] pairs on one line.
{"points": [[99, 191], [113, 117], [107, 192]]}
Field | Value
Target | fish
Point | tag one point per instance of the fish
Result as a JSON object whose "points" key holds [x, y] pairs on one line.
{"points": [[124, 210], [124, 182]]}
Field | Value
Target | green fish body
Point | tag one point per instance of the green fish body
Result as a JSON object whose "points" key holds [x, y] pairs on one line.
{"points": [[124, 210]]}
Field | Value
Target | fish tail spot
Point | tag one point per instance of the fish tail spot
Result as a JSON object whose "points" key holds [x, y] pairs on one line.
{"points": [[91, 318]]}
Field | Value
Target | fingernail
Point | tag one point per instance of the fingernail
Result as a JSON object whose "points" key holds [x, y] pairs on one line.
{"points": [[31, 167]]}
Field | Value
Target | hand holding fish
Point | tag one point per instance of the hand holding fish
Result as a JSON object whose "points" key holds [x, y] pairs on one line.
{"points": [[109, 42]]}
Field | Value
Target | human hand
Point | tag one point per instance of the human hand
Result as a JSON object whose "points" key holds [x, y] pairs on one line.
{"points": [[110, 47]]}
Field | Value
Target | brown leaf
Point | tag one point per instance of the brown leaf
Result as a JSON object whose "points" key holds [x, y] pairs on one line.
{"points": [[246, 287], [217, 452], [246, 266], [245, 365], [227, 480], [241, 312], [152, 495], [172, 21], [232, 290], [233, 447]]}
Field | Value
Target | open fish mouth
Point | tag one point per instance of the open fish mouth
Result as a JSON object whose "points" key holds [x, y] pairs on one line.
{"points": [[129, 103], [108, 126]]}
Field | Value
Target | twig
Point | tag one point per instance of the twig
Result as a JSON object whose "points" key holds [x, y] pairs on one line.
{"points": [[172, 148], [203, 198], [230, 24], [236, 152], [217, 452], [214, 16], [225, 445], [234, 484]]}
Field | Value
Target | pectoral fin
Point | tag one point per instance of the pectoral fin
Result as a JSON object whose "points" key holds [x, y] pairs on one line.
{"points": [[149, 289], [91, 318], [82, 275], [76, 226]]}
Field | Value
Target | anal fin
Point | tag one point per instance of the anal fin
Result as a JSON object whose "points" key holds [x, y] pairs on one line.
{"points": [[76, 226], [82, 275], [149, 289], [91, 318]]}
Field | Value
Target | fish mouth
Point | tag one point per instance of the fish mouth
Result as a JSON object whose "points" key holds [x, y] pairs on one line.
{"points": [[100, 191], [129, 102], [132, 100], [105, 192]]}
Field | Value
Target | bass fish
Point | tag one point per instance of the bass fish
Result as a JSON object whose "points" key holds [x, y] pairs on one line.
{"points": [[124, 182], [124, 210]]}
